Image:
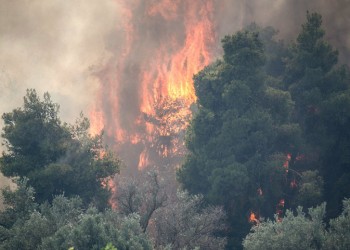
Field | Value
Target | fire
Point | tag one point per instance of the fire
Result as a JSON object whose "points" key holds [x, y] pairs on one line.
{"points": [[143, 160], [148, 90], [293, 184], [253, 218], [286, 163], [96, 121], [279, 210], [281, 203], [109, 184]]}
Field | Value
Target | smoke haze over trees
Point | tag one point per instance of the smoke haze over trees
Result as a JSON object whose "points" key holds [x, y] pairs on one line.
{"points": [[69, 48], [270, 129]]}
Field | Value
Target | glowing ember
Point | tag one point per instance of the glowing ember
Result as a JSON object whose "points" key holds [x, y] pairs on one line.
{"points": [[286, 163], [253, 219], [279, 210], [109, 184], [293, 184], [281, 203]]}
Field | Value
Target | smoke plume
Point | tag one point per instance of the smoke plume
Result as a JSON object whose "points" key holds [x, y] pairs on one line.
{"points": [[94, 55]]}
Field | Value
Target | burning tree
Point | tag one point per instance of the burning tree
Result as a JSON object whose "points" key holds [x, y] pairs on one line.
{"points": [[166, 144], [242, 143], [144, 105], [261, 144]]}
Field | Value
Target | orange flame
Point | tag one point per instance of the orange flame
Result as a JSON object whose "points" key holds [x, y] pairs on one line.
{"points": [[109, 184], [174, 71], [253, 218], [143, 160], [96, 122], [160, 103]]}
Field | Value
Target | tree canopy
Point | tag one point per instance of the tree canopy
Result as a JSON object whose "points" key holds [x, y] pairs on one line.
{"points": [[56, 157], [64, 224], [270, 135], [272, 127], [302, 231]]}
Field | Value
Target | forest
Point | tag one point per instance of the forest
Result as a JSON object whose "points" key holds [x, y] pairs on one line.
{"points": [[267, 163]]}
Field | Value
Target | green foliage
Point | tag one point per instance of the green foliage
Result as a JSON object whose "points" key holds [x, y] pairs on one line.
{"points": [[109, 246], [321, 93], [302, 231], [244, 52], [19, 203], [65, 224], [311, 50], [33, 222], [94, 230], [311, 189], [242, 123], [56, 158], [298, 231], [338, 233], [272, 124]]}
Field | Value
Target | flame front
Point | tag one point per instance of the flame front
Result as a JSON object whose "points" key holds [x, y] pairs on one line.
{"points": [[143, 104]]}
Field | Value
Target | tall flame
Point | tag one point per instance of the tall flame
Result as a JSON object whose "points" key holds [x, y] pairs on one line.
{"points": [[144, 103]]}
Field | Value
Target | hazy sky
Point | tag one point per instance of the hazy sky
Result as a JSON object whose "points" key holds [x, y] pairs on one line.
{"points": [[53, 45]]}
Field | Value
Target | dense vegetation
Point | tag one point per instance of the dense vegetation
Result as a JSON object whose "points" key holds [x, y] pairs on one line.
{"points": [[302, 231], [56, 158], [272, 129], [271, 135], [63, 196]]}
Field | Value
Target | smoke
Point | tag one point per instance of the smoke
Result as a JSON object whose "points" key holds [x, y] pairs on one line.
{"points": [[287, 16], [53, 46], [91, 55], [149, 25]]}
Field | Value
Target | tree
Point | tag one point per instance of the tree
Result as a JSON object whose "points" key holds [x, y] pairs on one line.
{"points": [[338, 233], [321, 92], [272, 127], [293, 232], [56, 158], [302, 231], [95, 230], [241, 137], [143, 195], [65, 224], [187, 223], [19, 203], [180, 221]]}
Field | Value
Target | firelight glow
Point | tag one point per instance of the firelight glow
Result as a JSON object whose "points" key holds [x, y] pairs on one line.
{"points": [[166, 89]]}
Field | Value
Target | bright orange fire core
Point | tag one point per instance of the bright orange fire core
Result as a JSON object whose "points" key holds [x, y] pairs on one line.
{"points": [[152, 77]]}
